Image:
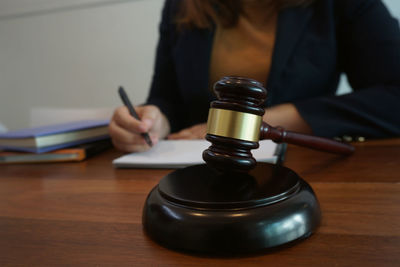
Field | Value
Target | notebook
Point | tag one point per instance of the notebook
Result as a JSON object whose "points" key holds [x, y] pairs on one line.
{"points": [[182, 153], [76, 153], [52, 137]]}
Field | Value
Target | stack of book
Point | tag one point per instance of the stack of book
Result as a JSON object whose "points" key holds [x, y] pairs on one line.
{"points": [[73, 141]]}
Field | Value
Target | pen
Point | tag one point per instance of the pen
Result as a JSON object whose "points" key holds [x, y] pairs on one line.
{"points": [[127, 103]]}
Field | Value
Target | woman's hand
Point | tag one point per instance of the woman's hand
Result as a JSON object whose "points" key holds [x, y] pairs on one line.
{"points": [[125, 130], [197, 131], [287, 116]]}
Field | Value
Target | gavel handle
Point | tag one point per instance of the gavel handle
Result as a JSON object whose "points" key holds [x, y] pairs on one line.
{"points": [[279, 135]]}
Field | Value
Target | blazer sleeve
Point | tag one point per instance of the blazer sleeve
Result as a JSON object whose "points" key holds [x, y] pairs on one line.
{"points": [[369, 53], [164, 91]]}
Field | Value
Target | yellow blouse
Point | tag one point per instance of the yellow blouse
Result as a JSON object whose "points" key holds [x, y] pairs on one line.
{"points": [[245, 49]]}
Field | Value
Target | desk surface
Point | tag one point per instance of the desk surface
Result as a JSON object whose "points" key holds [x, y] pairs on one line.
{"points": [[90, 213]]}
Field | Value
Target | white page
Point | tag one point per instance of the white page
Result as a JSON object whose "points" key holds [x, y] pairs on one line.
{"points": [[182, 153]]}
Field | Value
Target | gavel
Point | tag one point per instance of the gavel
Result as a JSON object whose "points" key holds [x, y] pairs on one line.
{"points": [[235, 126]]}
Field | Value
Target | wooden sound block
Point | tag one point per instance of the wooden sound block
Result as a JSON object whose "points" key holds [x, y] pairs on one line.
{"points": [[197, 209]]}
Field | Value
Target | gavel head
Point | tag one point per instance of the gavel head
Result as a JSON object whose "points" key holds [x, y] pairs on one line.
{"points": [[233, 125]]}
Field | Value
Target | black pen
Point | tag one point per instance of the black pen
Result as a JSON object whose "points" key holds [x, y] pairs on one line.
{"points": [[127, 103]]}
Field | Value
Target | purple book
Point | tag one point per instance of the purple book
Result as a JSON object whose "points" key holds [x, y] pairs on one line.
{"points": [[52, 137]]}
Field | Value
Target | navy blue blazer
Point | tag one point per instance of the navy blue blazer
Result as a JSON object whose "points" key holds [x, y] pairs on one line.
{"points": [[314, 45]]}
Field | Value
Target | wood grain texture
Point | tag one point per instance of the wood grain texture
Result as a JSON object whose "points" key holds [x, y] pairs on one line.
{"points": [[89, 214]]}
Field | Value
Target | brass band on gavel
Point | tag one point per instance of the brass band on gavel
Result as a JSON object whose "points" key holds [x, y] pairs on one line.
{"points": [[234, 124]]}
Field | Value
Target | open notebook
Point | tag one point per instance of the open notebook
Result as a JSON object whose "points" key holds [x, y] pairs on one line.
{"points": [[182, 153]]}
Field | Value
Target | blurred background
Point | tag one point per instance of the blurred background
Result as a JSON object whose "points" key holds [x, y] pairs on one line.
{"points": [[63, 59]]}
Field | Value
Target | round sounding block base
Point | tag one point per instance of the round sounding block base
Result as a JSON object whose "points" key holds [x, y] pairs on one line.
{"points": [[200, 210]]}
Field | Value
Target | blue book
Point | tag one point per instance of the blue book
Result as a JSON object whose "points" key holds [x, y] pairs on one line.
{"points": [[52, 137]]}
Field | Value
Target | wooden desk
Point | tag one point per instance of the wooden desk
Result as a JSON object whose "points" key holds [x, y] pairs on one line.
{"points": [[90, 213]]}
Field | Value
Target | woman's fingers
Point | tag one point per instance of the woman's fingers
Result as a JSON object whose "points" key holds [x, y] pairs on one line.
{"points": [[124, 120], [149, 116], [125, 130]]}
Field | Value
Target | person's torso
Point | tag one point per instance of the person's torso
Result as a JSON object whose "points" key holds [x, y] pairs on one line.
{"points": [[300, 59]]}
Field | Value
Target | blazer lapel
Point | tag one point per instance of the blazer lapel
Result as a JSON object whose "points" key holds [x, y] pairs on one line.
{"points": [[192, 58], [192, 54], [291, 24]]}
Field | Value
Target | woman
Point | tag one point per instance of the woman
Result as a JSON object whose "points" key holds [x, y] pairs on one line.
{"points": [[296, 48]]}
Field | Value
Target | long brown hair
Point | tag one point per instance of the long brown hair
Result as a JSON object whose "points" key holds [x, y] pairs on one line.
{"points": [[202, 13]]}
